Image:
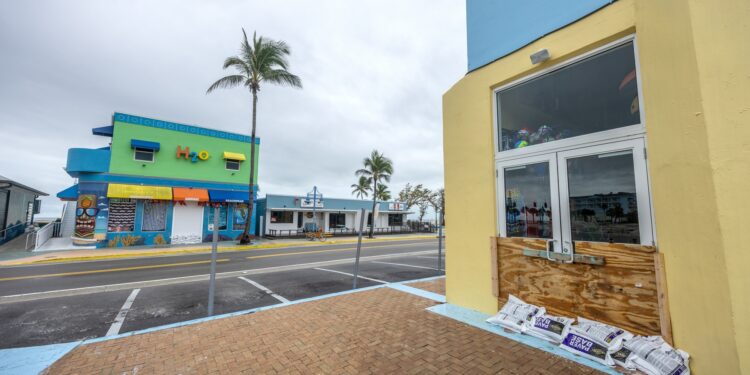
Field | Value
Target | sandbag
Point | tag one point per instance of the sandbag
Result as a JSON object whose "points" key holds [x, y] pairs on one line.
{"points": [[603, 334], [653, 356], [578, 343], [516, 314], [548, 327], [624, 357]]}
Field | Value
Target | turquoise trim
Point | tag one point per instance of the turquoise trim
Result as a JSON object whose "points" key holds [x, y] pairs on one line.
{"points": [[419, 292], [33, 360], [477, 319], [191, 129]]}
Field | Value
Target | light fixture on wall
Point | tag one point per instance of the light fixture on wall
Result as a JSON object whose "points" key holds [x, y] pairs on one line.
{"points": [[540, 56]]}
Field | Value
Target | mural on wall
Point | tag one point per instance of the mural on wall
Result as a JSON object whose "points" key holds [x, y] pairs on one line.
{"points": [[121, 215], [86, 212], [100, 227]]}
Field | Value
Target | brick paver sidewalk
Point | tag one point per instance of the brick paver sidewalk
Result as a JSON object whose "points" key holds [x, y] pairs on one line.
{"points": [[435, 286], [378, 331]]}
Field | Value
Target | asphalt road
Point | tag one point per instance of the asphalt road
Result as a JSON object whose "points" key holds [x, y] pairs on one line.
{"points": [[72, 301]]}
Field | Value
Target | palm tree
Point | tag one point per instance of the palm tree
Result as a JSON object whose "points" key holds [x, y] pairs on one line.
{"points": [[377, 168], [265, 60], [383, 194], [362, 187]]}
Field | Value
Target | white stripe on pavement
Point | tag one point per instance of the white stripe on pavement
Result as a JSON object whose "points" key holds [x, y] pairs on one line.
{"points": [[120, 318], [352, 275], [268, 291], [404, 265]]}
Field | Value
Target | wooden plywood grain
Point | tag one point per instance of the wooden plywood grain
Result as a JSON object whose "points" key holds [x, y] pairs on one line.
{"points": [[622, 292]]}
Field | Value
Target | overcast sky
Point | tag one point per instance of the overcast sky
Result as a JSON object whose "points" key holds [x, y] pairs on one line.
{"points": [[373, 75]]}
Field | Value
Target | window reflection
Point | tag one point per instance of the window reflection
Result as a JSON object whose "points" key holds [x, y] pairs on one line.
{"points": [[527, 201], [603, 204], [596, 94]]}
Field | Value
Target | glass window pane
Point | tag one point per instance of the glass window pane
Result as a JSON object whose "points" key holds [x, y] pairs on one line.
{"points": [[528, 203], [603, 204], [222, 217], [595, 94], [240, 213], [154, 216]]}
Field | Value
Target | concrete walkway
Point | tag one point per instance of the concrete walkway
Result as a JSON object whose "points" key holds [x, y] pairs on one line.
{"points": [[380, 330], [26, 258]]}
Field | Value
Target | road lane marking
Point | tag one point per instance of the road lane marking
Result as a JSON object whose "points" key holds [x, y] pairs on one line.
{"points": [[268, 291], [189, 279], [105, 270], [120, 318], [405, 265], [323, 251], [352, 275]]}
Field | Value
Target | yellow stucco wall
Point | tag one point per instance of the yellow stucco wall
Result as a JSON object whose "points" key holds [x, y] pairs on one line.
{"points": [[695, 72]]}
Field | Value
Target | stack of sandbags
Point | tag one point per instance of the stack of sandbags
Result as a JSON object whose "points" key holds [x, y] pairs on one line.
{"points": [[594, 340], [516, 314], [652, 356], [549, 327]]}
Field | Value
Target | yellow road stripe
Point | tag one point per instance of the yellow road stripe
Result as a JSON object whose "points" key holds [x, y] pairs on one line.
{"points": [[327, 251], [110, 270]]}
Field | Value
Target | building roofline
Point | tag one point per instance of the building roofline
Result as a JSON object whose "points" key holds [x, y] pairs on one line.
{"points": [[343, 199], [4, 179], [184, 128]]}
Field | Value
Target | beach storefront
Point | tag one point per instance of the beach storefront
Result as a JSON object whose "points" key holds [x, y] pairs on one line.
{"points": [[599, 149], [156, 182]]}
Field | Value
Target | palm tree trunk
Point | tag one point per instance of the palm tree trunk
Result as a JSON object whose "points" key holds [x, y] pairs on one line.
{"points": [[374, 200], [245, 238]]}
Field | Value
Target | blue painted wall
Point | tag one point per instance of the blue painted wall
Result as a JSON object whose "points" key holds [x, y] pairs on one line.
{"points": [[495, 28], [85, 160], [230, 233], [114, 239]]}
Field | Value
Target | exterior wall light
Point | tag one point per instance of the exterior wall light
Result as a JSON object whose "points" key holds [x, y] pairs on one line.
{"points": [[538, 57]]}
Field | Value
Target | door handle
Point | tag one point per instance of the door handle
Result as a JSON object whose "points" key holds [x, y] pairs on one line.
{"points": [[550, 249]]}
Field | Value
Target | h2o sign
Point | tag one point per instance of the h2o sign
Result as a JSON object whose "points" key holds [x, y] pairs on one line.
{"points": [[192, 156]]}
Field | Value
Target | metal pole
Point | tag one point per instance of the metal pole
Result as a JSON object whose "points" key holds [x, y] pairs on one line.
{"points": [[315, 204], [359, 246], [440, 244], [214, 244]]}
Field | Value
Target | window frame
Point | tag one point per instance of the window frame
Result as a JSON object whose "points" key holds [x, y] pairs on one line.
{"points": [[391, 215], [226, 164], [289, 213], [622, 133], [136, 150]]}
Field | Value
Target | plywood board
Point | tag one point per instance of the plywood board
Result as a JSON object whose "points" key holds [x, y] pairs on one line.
{"points": [[622, 292]]}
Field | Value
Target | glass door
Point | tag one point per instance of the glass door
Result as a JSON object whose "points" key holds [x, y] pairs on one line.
{"points": [[591, 194], [604, 194], [528, 199]]}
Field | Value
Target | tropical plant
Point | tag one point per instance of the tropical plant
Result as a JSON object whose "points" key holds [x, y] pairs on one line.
{"points": [[377, 168], [382, 193], [437, 200], [413, 195], [362, 187], [423, 205], [263, 60]]}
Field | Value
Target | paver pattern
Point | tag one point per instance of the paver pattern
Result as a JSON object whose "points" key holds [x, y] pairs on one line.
{"points": [[380, 331], [435, 286]]}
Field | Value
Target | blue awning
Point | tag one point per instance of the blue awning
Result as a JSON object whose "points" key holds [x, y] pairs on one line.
{"points": [[227, 196], [137, 143], [69, 194], [103, 130]]}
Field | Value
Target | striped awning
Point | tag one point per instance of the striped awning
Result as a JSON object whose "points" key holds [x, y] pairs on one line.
{"points": [[189, 195], [233, 156], [139, 192]]}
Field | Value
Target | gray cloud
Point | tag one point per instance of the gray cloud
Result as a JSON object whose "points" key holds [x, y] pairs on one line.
{"points": [[373, 74]]}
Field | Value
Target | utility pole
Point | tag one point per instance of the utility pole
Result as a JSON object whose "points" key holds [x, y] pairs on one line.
{"points": [[359, 246], [214, 245]]}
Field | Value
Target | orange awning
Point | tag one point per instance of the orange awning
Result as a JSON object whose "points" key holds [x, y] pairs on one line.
{"points": [[189, 195]]}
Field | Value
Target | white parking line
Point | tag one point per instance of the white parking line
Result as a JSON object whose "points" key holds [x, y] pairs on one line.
{"points": [[268, 291], [352, 275], [120, 318], [404, 265]]}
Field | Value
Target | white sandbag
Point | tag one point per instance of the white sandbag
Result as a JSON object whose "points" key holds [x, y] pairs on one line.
{"points": [[548, 327], [515, 314], [653, 356], [603, 334], [624, 357], [578, 343]]}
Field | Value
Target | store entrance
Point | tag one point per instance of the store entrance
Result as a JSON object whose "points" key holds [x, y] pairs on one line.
{"points": [[589, 194]]}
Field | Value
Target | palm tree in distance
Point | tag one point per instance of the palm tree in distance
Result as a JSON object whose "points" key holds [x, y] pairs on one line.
{"points": [[378, 168], [263, 60], [383, 193], [362, 187]]}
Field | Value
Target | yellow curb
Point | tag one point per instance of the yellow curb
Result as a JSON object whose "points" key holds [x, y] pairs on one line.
{"points": [[207, 249]]}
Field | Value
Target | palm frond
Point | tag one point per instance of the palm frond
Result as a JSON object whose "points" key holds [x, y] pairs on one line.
{"points": [[283, 78], [227, 82]]}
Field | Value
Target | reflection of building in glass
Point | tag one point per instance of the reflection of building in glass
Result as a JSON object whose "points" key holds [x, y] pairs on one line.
{"points": [[528, 220], [614, 207]]}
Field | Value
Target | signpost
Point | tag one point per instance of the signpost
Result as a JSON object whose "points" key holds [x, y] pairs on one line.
{"points": [[440, 242], [315, 194], [214, 244], [359, 246]]}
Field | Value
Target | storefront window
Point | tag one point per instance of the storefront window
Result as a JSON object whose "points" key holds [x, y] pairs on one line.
{"points": [[154, 216], [395, 220], [528, 201], [282, 217], [593, 95], [336, 220], [222, 217], [121, 215], [238, 219]]}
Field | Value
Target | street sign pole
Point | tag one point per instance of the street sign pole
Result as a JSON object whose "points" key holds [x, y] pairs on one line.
{"points": [[359, 246], [440, 243], [214, 245]]}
